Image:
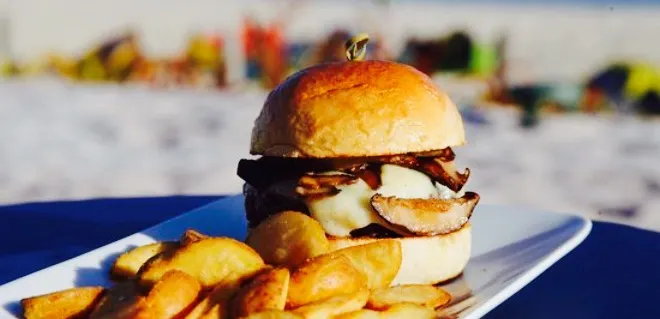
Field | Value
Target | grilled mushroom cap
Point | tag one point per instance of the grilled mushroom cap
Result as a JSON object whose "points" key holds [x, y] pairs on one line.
{"points": [[425, 217]]}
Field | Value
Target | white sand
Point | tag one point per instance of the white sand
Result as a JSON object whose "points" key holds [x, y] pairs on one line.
{"points": [[64, 142]]}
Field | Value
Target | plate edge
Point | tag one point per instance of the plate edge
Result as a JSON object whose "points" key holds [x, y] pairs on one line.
{"points": [[535, 271]]}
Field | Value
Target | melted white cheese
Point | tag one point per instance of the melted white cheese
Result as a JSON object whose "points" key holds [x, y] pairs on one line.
{"points": [[351, 208]]}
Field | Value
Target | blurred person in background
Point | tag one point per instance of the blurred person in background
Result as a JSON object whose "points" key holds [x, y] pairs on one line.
{"points": [[628, 87], [273, 58], [332, 49], [114, 60], [203, 63], [456, 53], [265, 52]]}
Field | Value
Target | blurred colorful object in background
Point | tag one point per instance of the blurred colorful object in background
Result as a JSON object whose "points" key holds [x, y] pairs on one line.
{"points": [[121, 60], [265, 53], [269, 58], [626, 86], [457, 52]]}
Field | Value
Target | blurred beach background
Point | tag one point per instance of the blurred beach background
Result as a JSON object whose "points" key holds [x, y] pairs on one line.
{"points": [[136, 98]]}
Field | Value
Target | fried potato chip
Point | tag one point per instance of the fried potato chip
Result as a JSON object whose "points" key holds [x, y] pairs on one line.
{"points": [[122, 300], [323, 277], [398, 311], [190, 236], [65, 304], [379, 261], [273, 314], [362, 314], [333, 306], [216, 304], [423, 295], [211, 261], [172, 295], [288, 239], [408, 310], [128, 263], [267, 291]]}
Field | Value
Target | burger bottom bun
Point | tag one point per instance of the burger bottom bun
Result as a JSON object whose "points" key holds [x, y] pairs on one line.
{"points": [[425, 260]]}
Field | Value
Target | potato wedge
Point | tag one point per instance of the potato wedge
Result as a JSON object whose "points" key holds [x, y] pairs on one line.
{"points": [[65, 304], [378, 261], [323, 277], [288, 239], [423, 295], [216, 304], [171, 296], [267, 291], [408, 310], [361, 314], [273, 314], [128, 263], [123, 300], [190, 236], [211, 261], [334, 306], [398, 311]]}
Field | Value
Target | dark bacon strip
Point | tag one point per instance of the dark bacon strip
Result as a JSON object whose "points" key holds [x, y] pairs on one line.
{"points": [[438, 165], [370, 174]]}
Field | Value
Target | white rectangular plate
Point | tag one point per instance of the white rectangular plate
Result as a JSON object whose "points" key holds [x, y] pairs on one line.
{"points": [[511, 246]]}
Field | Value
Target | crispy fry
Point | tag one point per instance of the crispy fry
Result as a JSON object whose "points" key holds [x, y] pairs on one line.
{"points": [[210, 260], [363, 314], [323, 277], [398, 311], [408, 310], [333, 306], [128, 263], [172, 295], [65, 304], [378, 261], [122, 300], [423, 295], [288, 239], [266, 291], [273, 314], [190, 236], [216, 304]]}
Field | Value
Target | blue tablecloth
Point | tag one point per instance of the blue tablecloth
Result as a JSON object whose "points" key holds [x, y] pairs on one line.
{"points": [[615, 273]]}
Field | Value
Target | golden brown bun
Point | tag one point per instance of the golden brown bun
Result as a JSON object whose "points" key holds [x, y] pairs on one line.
{"points": [[425, 260], [356, 108]]}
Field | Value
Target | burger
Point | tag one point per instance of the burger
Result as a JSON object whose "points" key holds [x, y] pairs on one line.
{"points": [[365, 149]]}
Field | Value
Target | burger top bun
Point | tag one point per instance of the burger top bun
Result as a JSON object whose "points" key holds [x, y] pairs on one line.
{"points": [[356, 108]]}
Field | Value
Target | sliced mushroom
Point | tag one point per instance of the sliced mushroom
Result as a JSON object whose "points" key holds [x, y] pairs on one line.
{"points": [[317, 186], [316, 193], [425, 217], [324, 180], [445, 173]]}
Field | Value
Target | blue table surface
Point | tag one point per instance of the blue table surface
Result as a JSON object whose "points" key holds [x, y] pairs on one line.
{"points": [[614, 273]]}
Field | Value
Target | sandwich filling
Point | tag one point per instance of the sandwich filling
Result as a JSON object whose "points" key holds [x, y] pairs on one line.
{"points": [[389, 196]]}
